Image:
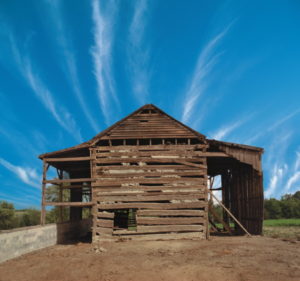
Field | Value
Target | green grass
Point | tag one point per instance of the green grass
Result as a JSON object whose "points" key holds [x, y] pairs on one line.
{"points": [[282, 228], [282, 222]]}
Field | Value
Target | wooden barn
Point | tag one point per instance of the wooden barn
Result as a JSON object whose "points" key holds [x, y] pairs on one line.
{"points": [[150, 176]]}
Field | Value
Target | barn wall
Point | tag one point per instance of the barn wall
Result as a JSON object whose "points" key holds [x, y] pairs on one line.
{"points": [[166, 185]]}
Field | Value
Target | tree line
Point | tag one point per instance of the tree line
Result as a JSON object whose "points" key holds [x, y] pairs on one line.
{"points": [[287, 207]]}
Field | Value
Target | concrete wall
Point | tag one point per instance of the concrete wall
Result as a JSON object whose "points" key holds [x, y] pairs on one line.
{"points": [[19, 241]]}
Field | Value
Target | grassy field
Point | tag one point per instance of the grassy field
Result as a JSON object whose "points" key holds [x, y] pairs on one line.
{"points": [[282, 222], [282, 228]]}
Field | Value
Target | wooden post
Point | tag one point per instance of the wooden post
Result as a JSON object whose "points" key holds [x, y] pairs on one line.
{"points": [[43, 209], [60, 199]]}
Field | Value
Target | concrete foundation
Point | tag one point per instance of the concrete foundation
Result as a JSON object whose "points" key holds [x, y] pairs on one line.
{"points": [[19, 241]]}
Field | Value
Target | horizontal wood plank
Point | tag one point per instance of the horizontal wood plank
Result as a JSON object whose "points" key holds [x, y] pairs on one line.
{"points": [[160, 237], [69, 204], [161, 213], [169, 221], [158, 206], [105, 223], [105, 215], [141, 198], [67, 159]]}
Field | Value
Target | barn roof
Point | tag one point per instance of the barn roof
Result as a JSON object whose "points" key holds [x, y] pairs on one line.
{"points": [[115, 131]]}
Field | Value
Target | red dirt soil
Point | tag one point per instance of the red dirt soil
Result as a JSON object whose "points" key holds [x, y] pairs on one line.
{"points": [[220, 259]]}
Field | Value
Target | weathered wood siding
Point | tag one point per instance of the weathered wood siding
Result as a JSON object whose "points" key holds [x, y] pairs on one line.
{"points": [[166, 184]]}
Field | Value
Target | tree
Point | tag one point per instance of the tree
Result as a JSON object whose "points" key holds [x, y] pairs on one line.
{"points": [[272, 209], [7, 215], [30, 217]]}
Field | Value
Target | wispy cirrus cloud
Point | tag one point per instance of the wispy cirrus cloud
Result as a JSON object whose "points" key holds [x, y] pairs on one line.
{"points": [[69, 60], [224, 131], [293, 182], [272, 127], [206, 62], [275, 162], [58, 112], [101, 51], [276, 178], [138, 54], [25, 174]]}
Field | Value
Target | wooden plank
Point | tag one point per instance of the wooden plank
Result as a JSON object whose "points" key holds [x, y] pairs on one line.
{"points": [[76, 186], [149, 174], [102, 230], [162, 180], [151, 147], [168, 221], [161, 237], [159, 153], [69, 180], [141, 188], [158, 206], [185, 160], [67, 159], [167, 228], [176, 166], [105, 223], [161, 213], [105, 215], [69, 204], [141, 198], [196, 193]]}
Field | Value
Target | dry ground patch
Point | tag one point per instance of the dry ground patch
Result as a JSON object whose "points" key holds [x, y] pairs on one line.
{"points": [[221, 258]]}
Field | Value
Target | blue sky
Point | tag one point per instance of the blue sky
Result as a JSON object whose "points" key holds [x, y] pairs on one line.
{"points": [[69, 69]]}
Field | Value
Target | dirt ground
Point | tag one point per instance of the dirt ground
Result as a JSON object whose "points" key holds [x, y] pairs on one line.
{"points": [[220, 259]]}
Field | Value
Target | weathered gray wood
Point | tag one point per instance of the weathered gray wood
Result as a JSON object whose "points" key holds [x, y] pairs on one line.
{"points": [[105, 215], [102, 230], [69, 180], [169, 221], [105, 223], [71, 204], [162, 180], [118, 192], [67, 159], [149, 174], [158, 206], [159, 237], [168, 228], [170, 188], [161, 213], [141, 198]]}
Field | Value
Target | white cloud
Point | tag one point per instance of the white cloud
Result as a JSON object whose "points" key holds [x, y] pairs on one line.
{"points": [[276, 177], [70, 61], [137, 52], [295, 178], [297, 162], [58, 112], [207, 59], [102, 56], [226, 130], [25, 174], [271, 128]]}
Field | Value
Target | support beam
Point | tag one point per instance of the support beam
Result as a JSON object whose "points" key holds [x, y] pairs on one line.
{"points": [[43, 209], [235, 219], [69, 204], [67, 159]]}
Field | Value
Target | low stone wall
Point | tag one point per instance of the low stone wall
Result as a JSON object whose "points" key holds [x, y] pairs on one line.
{"points": [[19, 241]]}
